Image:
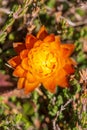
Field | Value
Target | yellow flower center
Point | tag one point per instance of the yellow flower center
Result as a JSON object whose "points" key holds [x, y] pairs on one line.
{"points": [[42, 60]]}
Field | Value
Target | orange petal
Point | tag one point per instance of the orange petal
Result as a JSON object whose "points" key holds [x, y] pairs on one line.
{"points": [[56, 44], [19, 72], [61, 78], [15, 61], [49, 38], [42, 33], [18, 46], [71, 61], [69, 66], [38, 43], [30, 86], [20, 83], [57, 39], [63, 82], [24, 54], [67, 49], [50, 84], [24, 64], [30, 40], [30, 77]]}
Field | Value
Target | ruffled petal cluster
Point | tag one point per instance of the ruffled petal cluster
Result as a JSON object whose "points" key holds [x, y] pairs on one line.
{"points": [[42, 60]]}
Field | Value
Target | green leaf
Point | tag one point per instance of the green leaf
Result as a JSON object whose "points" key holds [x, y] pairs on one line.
{"points": [[18, 118], [28, 109], [51, 3], [59, 100], [8, 24], [3, 36]]}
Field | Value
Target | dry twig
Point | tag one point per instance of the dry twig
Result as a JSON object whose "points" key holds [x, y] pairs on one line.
{"points": [[63, 107]]}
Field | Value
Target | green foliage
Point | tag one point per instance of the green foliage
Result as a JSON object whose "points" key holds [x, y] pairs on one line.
{"points": [[80, 12], [28, 109], [39, 109], [3, 36], [51, 3]]}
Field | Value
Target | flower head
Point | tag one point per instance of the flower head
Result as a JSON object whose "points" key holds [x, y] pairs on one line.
{"points": [[42, 60]]}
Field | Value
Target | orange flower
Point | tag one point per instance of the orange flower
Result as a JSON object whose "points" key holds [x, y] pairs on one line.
{"points": [[42, 60]]}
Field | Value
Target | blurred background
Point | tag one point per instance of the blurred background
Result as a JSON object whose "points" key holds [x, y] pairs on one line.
{"points": [[42, 110]]}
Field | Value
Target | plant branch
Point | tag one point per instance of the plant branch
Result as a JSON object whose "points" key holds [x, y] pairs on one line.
{"points": [[63, 107], [20, 12]]}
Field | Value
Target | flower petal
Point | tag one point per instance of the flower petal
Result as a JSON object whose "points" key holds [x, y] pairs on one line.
{"points": [[42, 33], [57, 39], [21, 82], [29, 87], [67, 49], [19, 46], [15, 61], [42, 59], [71, 61], [30, 77], [38, 43], [30, 40], [69, 68], [24, 53], [63, 82], [19, 72], [61, 78], [49, 38], [25, 64], [50, 84], [55, 45]]}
